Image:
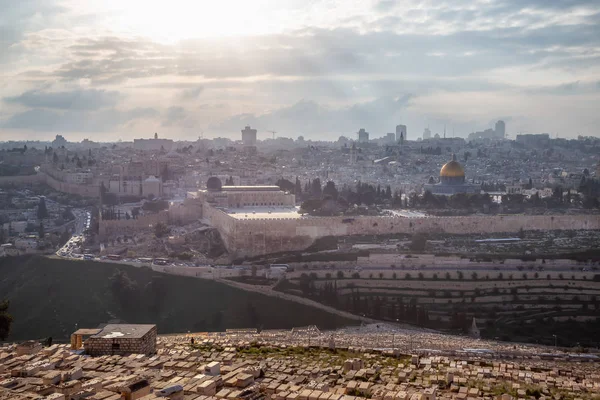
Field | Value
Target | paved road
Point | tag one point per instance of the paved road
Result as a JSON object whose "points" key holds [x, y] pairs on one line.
{"points": [[80, 225]]}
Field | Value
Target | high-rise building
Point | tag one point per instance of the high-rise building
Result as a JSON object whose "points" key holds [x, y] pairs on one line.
{"points": [[498, 133], [400, 131], [426, 134], [390, 138], [249, 136], [363, 136], [500, 130]]}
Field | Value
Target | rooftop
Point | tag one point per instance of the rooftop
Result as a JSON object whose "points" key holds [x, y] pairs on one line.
{"points": [[130, 331], [264, 212], [265, 188]]}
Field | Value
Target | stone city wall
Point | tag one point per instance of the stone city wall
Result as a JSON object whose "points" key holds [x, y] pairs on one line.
{"points": [[21, 179], [41, 177], [72, 188], [262, 236], [131, 226], [179, 214]]}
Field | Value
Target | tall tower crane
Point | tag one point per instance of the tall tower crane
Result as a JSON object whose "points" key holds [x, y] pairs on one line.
{"points": [[273, 132]]}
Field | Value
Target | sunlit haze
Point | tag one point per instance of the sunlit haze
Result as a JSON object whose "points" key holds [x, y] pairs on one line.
{"points": [[116, 69]]}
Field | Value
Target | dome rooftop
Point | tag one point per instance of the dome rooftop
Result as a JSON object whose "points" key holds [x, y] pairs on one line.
{"points": [[452, 169], [214, 184]]}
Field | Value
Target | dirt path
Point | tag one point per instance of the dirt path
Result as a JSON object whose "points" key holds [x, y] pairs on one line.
{"points": [[267, 290]]}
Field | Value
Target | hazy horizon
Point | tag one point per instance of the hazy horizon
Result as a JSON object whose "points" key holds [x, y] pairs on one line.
{"points": [[125, 69]]}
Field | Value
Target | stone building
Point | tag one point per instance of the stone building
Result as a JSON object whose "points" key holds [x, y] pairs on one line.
{"points": [[218, 195], [122, 339]]}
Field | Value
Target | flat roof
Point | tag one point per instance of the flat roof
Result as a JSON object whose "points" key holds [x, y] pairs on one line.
{"points": [[264, 188], [125, 331], [408, 213], [87, 332], [264, 212]]}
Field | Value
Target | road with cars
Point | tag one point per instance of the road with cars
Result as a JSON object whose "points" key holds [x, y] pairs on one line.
{"points": [[72, 249]]}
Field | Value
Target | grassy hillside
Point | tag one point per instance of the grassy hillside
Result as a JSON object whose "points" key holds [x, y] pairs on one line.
{"points": [[51, 297], [516, 305]]}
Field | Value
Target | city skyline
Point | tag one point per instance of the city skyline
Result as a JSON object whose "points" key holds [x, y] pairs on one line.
{"points": [[328, 68]]}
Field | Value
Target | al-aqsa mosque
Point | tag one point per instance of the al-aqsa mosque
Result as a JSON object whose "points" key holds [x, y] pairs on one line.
{"points": [[452, 180]]}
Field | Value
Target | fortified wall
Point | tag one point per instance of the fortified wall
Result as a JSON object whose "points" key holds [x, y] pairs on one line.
{"points": [[270, 235], [21, 179], [179, 214], [41, 177], [72, 188]]}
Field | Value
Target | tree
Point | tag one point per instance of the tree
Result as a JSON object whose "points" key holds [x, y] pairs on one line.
{"points": [[297, 187], [311, 205], [419, 242], [340, 275], [41, 230], [253, 270], [330, 190], [315, 188], [161, 230], [155, 135], [42, 211], [5, 320]]}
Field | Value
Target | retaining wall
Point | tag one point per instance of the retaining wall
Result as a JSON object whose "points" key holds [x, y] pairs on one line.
{"points": [[261, 236]]}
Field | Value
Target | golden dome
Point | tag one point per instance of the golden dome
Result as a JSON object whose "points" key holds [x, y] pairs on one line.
{"points": [[452, 169]]}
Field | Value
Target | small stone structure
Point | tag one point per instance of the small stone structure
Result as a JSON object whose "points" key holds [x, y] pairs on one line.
{"points": [[122, 339]]}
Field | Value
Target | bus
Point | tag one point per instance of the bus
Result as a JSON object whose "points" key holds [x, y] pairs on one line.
{"points": [[114, 257], [88, 257], [161, 261]]}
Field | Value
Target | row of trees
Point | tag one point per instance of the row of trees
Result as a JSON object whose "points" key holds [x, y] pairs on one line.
{"points": [[6, 320], [79, 162], [329, 200]]}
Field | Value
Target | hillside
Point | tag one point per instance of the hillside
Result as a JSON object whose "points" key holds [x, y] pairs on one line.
{"points": [[519, 304], [52, 297]]}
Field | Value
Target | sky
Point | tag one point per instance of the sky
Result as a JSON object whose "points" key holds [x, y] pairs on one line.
{"points": [[124, 69]]}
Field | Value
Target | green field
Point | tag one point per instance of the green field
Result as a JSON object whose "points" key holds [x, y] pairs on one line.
{"points": [[51, 297]]}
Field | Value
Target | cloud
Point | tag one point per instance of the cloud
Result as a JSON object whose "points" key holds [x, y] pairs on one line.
{"points": [[82, 99], [174, 115], [191, 93], [349, 66], [18, 17], [385, 5], [44, 120], [307, 117]]}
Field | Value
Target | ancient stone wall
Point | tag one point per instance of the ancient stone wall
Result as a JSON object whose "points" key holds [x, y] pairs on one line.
{"points": [[131, 226], [71, 188], [21, 179], [177, 214], [261, 236]]}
